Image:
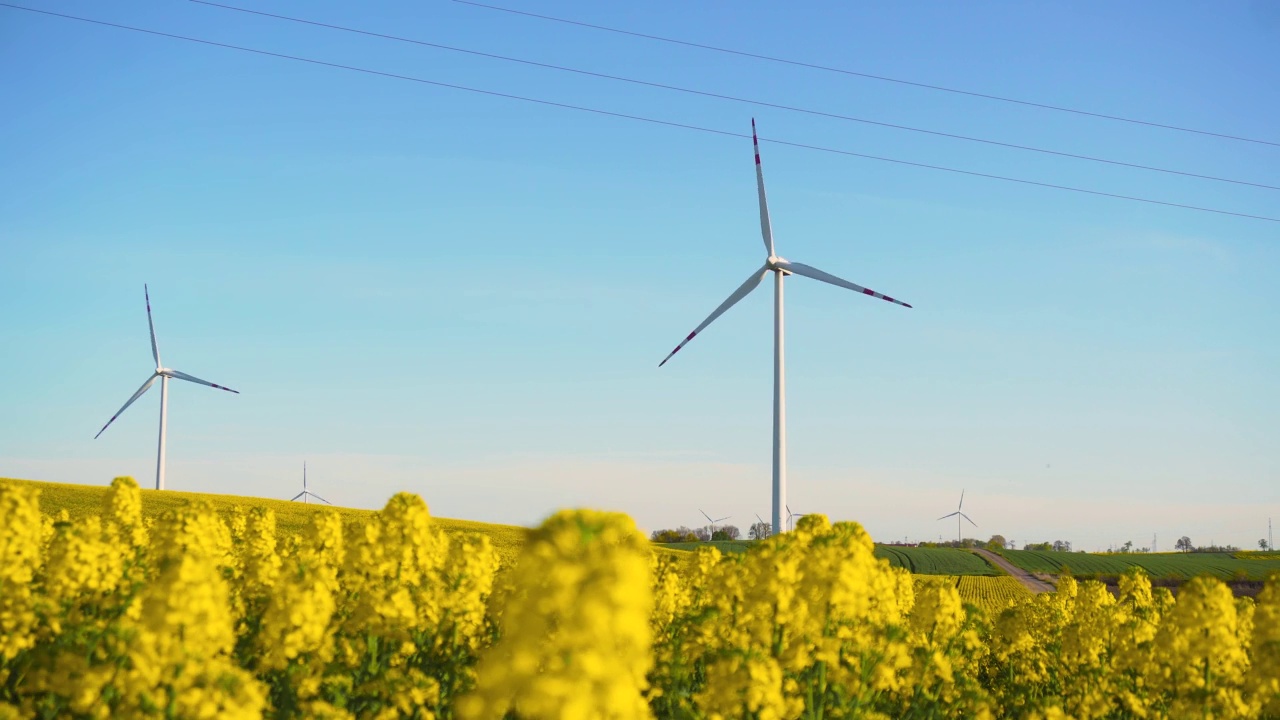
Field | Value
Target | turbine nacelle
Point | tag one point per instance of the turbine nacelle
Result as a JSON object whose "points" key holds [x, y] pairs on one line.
{"points": [[777, 264]]}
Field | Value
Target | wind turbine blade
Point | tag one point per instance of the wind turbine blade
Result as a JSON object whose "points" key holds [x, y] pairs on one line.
{"points": [[944, 517], [326, 502], [766, 227], [961, 500], [145, 386], [194, 379], [816, 274], [155, 349], [966, 517], [708, 517], [295, 497], [726, 517], [742, 291]]}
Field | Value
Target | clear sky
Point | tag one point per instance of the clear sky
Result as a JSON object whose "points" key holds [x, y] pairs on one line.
{"points": [[467, 297]]}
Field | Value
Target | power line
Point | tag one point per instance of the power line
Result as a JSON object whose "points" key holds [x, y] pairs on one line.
{"points": [[855, 73], [641, 118], [719, 96]]}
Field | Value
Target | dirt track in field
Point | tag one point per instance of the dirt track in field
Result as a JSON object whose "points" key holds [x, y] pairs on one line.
{"points": [[1033, 584]]}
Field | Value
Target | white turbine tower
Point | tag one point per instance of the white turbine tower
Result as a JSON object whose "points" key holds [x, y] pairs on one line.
{"points": [[163, 373], [305, 492], [780, 267], [957, 515]]}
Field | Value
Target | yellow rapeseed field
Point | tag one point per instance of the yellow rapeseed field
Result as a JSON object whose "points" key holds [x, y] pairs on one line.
{"points": [[207, 611]]}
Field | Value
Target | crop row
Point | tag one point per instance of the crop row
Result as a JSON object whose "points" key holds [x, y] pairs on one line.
{"points": [[1173, 565], [935, 561]]}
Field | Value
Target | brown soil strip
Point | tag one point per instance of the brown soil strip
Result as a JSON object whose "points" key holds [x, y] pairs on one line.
{"points": [[1033, 584]]}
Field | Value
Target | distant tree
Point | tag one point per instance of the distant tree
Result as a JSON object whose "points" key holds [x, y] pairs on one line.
{"points": [[1263, 544], [1183, 544], [759, 531], [731, 531], [719, 535], [1042, 546], [702, 534], [680, 534], [1062, 545], [1127, 547], [997, 542]]}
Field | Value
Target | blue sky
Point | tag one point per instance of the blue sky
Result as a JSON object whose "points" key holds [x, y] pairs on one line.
{"points": [[464, 296]]}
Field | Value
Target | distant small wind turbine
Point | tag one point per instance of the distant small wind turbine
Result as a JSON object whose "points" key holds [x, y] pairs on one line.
{"points": [[305, 492], [164, 374], [766, 529], [713, 522], [957, 514], [791, 517], [780, 267]]}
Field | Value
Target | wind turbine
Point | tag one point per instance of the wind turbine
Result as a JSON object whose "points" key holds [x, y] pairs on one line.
{"points": [[163, 373], [713, 522], [957, 514], [780, 267], [762, 529], [305, 492], [791, 525]]}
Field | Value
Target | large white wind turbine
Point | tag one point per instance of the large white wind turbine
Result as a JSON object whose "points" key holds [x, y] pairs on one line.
{"points": [[163, 373], [780, 267], [957, 515], [306, 494]]}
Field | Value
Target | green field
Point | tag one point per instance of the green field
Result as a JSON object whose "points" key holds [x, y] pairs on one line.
{"points": [[936, 561], [919, 561], [992, 594], [724, 546], [1168, 565]]}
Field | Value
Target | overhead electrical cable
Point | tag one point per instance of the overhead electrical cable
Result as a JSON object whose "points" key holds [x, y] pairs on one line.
{"points": [[749, 101], [843, 71], [641, 118]]}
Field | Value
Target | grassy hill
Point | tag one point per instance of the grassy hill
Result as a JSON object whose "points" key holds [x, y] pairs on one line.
{"points": [[1161, 565]]}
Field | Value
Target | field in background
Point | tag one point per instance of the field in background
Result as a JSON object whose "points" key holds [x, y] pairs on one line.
{"points": [[936, 561], [1160, 565], [978, 582], [992, 594], [291, 517], [920, 561]]}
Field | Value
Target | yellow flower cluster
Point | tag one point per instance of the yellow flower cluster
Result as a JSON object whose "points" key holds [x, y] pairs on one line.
{"points": [[194, 616], [575, 626], [197, 614]]}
